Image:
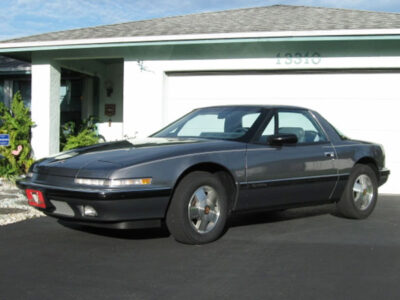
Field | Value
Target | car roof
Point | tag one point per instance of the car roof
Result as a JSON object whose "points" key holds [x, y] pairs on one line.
{"points": [[269, 106]]}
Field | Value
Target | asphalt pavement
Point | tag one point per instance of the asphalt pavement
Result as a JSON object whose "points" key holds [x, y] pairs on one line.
{"points": [[306, 253]]}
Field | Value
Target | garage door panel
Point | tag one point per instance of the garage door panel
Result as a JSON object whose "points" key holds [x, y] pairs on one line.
{"points": [[363, 106]]}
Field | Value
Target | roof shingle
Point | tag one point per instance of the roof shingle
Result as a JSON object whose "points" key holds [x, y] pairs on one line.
{"points": [[13, 65], [258, 19]]}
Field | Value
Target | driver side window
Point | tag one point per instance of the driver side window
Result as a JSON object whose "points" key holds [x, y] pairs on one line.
{"points": [[268, 131], [299, 123]]}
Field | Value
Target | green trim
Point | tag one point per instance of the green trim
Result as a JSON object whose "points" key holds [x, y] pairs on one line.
{"points": [[205, 41], [5, 73]]}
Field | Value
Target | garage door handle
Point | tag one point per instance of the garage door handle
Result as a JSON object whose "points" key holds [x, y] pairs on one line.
{"points": [[330, 154]]}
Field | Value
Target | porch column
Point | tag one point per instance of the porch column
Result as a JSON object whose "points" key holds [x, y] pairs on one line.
{"points": [[143, 98], [45, 108]]}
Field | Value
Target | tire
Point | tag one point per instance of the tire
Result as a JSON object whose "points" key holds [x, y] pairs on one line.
{"points": [[361, 193], [198, 210]]}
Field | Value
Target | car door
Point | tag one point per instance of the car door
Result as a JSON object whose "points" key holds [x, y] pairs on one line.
{"points": [[289, 174]]}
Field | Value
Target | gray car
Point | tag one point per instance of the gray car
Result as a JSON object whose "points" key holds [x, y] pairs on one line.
{"points": [[213, 162]]}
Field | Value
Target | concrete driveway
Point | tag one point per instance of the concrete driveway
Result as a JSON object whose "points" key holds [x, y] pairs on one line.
{"points": [[303, 253]]}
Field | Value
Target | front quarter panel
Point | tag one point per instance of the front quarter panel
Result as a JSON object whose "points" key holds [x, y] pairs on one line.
{"points": [[166, 172]]}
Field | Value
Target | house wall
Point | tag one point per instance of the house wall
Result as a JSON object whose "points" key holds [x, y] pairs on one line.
{"points": [[143, 98]]}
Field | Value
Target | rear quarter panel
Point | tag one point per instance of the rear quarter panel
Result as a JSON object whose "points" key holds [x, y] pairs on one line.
{"points": [[350, 152]]}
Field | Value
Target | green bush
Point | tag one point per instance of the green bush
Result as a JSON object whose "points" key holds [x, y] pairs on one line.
{"points": [[85, 135], [15, 121]]}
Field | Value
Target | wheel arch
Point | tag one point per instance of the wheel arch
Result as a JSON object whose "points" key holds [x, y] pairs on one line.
{"points": [[225, 175], [369, 161]]}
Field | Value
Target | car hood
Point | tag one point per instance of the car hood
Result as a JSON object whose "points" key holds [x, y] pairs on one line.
{"points": [[102, 159]]}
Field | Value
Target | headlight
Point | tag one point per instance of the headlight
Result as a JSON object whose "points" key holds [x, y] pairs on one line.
{"points": [[113, 182], [88, 181]]}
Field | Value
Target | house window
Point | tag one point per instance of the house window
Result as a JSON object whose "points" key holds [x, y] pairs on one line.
{"points": [[24, 87]]}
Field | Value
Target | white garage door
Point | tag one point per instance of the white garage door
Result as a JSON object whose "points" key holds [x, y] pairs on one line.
{"points": [[364, 106]]}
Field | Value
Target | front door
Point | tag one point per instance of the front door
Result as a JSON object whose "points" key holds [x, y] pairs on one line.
{"points": [[292, 173]]}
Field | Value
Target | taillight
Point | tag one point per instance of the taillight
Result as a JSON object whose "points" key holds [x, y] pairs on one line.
{"points": [[35, 198]]}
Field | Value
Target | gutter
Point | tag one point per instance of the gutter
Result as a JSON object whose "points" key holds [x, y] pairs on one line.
{"points": [[275, 36]]}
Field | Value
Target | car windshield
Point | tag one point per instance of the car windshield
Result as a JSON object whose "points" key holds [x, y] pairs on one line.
{"points": [[227, 123]]}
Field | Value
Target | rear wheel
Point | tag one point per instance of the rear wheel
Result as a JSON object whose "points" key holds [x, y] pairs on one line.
{"points": [[361, 193], [198, 209]]}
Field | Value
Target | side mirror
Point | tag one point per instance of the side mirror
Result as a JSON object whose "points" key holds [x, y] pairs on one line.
{"points": [[281, 139]]}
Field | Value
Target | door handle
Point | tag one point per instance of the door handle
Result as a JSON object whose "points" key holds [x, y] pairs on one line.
{"points": [[329, 154]]}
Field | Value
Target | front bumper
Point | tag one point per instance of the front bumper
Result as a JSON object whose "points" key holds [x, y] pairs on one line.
{"points": [[383, 176], [115, 208]]}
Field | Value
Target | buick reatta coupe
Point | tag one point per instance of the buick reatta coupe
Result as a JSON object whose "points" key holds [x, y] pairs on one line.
{"points": [[209, 164]]}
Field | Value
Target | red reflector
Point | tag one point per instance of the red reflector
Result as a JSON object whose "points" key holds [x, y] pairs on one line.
{"points": [[35, 198]]}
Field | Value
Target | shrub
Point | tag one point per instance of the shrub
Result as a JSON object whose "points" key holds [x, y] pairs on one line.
{"points": [[86, 135], [16, 121]]}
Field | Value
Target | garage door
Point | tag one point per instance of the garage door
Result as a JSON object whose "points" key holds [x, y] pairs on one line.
{"points": [[364, 106]]}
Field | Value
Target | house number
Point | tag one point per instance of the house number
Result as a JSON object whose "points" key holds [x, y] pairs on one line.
{"points": [[298, 58]]}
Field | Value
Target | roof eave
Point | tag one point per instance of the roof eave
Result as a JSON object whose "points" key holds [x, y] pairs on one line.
{"points": [[200, 38]]}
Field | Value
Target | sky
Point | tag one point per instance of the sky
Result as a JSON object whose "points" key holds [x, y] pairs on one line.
{"points": [[28, 17]]}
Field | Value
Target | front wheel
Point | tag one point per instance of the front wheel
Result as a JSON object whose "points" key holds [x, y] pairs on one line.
{"points": [[361, 193], [198, 209]]}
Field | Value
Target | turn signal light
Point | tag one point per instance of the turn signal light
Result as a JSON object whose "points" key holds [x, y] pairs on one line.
{"points": [[35, 198], [125, 182]]}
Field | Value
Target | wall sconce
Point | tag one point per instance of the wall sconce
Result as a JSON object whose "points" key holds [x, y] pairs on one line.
{"points": [[109, 87]]}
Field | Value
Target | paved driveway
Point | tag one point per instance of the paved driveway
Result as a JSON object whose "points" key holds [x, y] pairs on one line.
{"points": [[298, 254]]}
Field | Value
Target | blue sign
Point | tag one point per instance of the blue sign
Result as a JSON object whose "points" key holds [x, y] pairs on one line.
{"points": [[4, 139]]}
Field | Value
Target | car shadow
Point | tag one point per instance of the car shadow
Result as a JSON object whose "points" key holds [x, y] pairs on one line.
{"points": [[128, 234], [253, 218], [236, 220]]}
